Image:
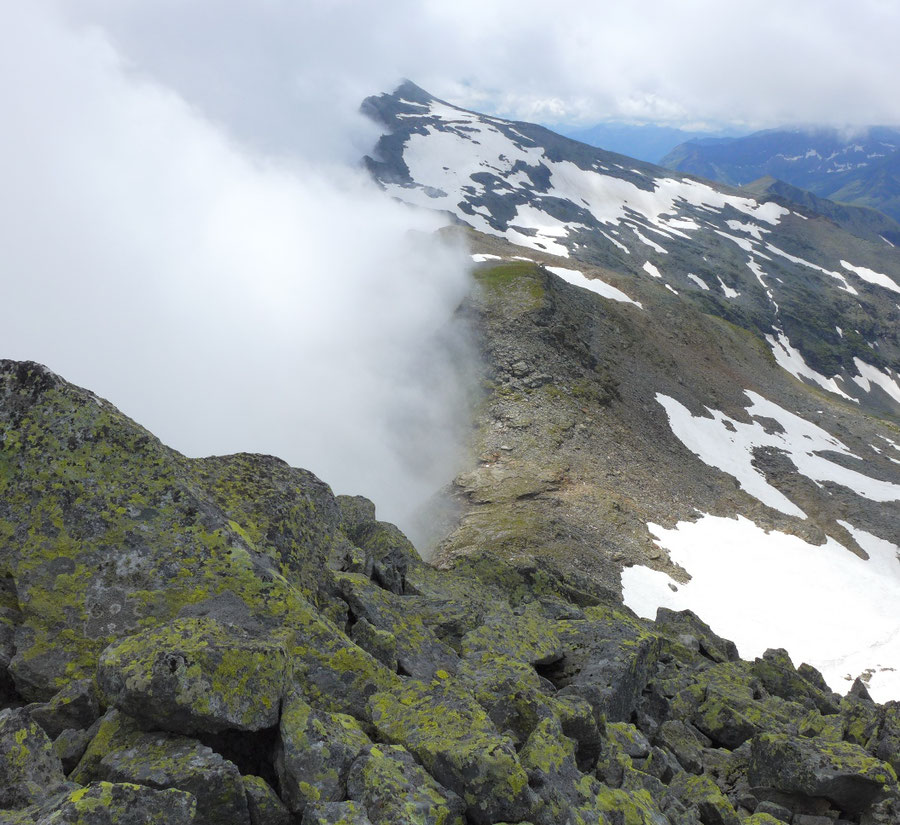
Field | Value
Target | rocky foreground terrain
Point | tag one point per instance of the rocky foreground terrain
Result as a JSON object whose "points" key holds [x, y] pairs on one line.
{"points": [[224, 641]]}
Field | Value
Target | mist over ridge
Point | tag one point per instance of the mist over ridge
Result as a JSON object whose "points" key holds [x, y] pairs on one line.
{"points": [[231, 300]]}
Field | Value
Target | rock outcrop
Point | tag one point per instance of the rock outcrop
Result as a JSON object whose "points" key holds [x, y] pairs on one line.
{"points": [[224, 641]]}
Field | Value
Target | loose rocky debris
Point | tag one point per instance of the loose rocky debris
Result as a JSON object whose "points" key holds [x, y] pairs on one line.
{"points": [[223, 641]]}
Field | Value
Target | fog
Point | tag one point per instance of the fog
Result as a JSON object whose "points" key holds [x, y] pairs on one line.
{"points": [[184, 227], [226, 298]]}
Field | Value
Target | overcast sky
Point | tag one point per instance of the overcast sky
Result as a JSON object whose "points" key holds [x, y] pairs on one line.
{"points": [[184, 227], [757, 63]]}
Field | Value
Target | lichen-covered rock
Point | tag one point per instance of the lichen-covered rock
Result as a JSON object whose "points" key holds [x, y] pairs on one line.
{"points": [[29, 769], [702, 793], [579, 724], [333, 673], [681, 741], [567, 795], [779, 677], [762, 819], [263, 803], [113, 731], [563, 792], [105, 532], [688, 624], [105, 803], [509, 690], [161, 761], [315, 751], [733, 705], [389, 554], [608, 661], [841, 772], [887, 747], [336, 813], [452, 736], [380, 644], [629, 739], [195, 675], [860, 719], [10, 616], [70, 746], [75, 706], [526, 636], [420, 653], [395, 790]]}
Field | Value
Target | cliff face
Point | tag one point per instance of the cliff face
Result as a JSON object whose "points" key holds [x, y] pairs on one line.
{"points": [[224, 641]]}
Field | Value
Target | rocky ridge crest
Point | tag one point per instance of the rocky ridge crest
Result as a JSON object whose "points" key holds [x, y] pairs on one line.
{"points": [[224, 641]]}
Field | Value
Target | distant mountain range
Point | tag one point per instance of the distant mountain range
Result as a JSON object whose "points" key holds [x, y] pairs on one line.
{"points": [[642, 141], [861, 168]]}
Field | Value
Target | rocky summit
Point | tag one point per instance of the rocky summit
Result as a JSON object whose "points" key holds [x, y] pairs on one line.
{"points": [[224, 641]]}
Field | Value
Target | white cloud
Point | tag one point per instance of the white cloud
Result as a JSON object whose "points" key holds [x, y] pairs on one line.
{"points": [[750, 61], [227, 300]]}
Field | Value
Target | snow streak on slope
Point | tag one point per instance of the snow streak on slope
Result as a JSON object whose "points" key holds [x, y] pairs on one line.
{"points": [[872, 277], [825, 605], [576, 277], [885, 379], [729, 445], [789, 358]]}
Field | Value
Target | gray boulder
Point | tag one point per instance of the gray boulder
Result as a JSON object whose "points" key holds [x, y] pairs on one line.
{"points": [[395, 790], [75, 706], [195, 674], [841, 772], [29, 769], [161, 761]]}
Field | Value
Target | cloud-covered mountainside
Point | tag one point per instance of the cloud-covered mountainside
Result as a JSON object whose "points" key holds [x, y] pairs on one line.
{"points": [[692, 393], [862, 167]]}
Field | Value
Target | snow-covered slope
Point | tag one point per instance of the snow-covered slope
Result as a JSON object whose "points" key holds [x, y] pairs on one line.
{"points": [[824, 300]]}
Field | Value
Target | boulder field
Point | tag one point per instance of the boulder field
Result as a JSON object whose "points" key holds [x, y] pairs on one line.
{"points": [[225, 642]]}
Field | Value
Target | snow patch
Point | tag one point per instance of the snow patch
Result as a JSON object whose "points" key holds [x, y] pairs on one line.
{"points": [[869, 375], [803, 262], [651, 269], [605, 290], [791, 359], [728, 445], [749, 228], [823, 604], [729, 292], [699, 281], [872, 277], [481, 257]]}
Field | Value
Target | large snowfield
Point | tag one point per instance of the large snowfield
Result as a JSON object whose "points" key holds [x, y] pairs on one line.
{"points": [[824, 605]]}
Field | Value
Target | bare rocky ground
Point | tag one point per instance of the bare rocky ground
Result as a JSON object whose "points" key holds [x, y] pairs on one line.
{"points": [[572, 455]]}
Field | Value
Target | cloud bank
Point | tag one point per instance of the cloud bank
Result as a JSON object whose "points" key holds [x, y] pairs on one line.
{"points": [[755, 63], [228, 300]]}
